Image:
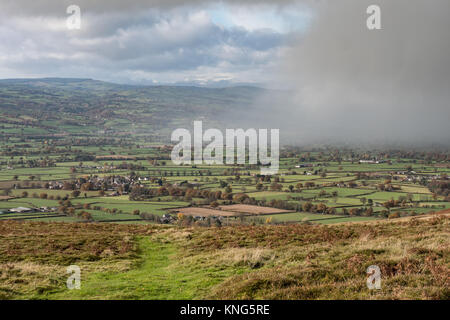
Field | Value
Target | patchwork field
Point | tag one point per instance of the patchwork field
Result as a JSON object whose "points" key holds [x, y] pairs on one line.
{"points": [[342, 190], [203, 212], [249, 209]]}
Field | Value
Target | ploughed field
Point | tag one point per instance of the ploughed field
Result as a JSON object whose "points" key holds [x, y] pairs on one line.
{"points": [[249, 209], [203, 212], [233, 210], [296, 261]]}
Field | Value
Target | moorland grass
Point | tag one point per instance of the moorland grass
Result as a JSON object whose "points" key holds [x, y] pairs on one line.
{"points": [[297, 261]]}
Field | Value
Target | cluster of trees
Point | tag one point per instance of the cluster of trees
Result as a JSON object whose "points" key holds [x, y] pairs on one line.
{"points": [[440, 187], [130, 166], [317, 208], [178, 173], [84, 215], [188, 220], [358, 211], [399, 214], [387, 186], [66, 207], [150, 217], [44, 195], [139, 193]]}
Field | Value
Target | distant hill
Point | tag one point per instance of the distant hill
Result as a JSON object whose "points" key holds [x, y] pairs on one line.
{"points": [[86, 106]]}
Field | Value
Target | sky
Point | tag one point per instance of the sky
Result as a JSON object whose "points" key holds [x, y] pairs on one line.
{"points": [[149, 42], [350, 84], [341, 80]]}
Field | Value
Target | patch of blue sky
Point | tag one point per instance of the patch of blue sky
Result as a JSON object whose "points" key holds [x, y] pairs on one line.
{"points": [[294, 18]]}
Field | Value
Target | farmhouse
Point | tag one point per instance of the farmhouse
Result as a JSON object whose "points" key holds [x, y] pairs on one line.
{"points": [[21, 210], [187, 184], [167, 218], [368, 161], [371, 161], [305, 165]]}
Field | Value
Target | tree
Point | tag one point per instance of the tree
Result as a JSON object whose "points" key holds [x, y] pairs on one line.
{"points": [[389, 204], [321, 208], [394, 215], [352, 184], [223, 184], [276, 186], [214, 204], [86, 216], [309, 184], [75, 193], [68, 185], [363, 200], [368, 212], [240, 197], [307, 206], [410, 197], [86, 186]]}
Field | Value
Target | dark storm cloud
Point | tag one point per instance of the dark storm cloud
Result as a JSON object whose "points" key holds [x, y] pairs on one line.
{"points": [[348, 83], [54, 7]]}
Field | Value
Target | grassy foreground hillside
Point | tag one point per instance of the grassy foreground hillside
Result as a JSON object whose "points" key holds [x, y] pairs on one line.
{"points": [[297, 261]]}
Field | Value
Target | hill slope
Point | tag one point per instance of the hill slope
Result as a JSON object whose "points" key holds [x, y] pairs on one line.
{"points": [[85, 106], [248, 262]]}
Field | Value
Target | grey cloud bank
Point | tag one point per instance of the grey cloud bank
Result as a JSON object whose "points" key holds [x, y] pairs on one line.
{"points": [[54, 7], [144, 41], [349, 84]]}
